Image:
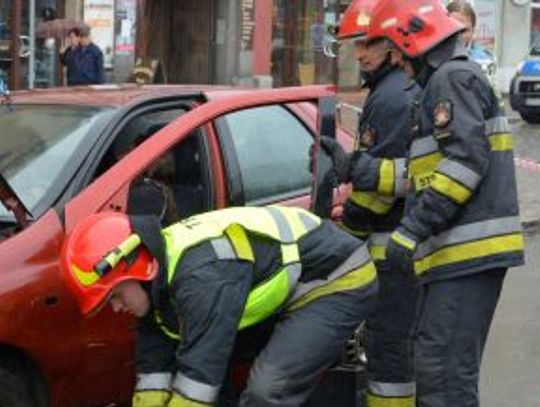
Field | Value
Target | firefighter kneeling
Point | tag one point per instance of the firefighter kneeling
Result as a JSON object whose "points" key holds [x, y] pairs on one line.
{"points": [[198, 282]]}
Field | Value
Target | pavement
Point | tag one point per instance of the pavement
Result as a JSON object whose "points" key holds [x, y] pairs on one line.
{"points": [[527, 172], [527, 168]]}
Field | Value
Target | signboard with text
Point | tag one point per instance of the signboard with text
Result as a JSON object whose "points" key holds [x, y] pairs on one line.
{"points": [[99, 15], [486, 23], [247, 24]]}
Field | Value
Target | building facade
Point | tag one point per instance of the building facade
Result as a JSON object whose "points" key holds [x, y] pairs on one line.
{"points": [[260, 43], [25, 60], [247, 42]]}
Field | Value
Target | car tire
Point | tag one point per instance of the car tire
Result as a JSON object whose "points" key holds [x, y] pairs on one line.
{"points": [[13, 390], [533, 118]]}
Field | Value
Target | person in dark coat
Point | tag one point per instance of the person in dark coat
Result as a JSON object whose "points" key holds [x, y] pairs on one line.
{"points": [[83, 60]]}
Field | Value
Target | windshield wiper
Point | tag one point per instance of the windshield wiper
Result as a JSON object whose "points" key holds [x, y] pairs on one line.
{"points": [[11, 201]]}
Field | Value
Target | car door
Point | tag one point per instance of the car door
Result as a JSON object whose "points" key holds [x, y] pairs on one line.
{"points": [[266, 151], [110, 190]]}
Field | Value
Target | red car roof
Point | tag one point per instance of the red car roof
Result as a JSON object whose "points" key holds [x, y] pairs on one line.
{"points": [[116, 95]]}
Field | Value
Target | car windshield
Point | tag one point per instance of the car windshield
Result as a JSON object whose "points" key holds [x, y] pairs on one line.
{"points": [[37, 143]]}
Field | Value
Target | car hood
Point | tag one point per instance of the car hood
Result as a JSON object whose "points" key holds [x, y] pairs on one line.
{"points": [[13, 203]]}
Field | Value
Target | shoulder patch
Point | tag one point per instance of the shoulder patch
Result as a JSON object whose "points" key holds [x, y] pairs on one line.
{"points": [[442, 114]]}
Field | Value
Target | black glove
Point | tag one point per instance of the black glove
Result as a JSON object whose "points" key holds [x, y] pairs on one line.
{"points": [[339, 157], [400, 251]]}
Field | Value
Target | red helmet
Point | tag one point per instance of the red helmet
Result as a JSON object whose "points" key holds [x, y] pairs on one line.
{"points": [[414, 26], [95, 258], [356, 19]]}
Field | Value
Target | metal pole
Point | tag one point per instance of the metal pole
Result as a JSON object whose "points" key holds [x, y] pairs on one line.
{"points": [[15, 31], [32, 44]]}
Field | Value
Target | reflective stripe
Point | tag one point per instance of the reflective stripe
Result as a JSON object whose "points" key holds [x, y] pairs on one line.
{"points": [[469, 232], [289, 253], [425, 153], [223, 248], [377, 245], [392, 389], [403, 240], [310, 222], [424, 165], [378, 253], [355, 279], [289, 247], [164, 328], [285, 230], [400, 186], [423, 146], [451, 189], [240, 242], [195, 390], [497, 125], [153, 381], [85, 278], [357, 259], [387, 178], [378, 401], [470, 251], [459, 172], [501, 142], [369, 200]]}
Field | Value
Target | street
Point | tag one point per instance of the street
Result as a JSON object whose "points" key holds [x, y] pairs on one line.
{"points": [[512, 358]]}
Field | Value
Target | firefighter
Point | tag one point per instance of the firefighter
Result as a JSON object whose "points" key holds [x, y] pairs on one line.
{"points": [[199, 281], [376, 170], [461, 230]]}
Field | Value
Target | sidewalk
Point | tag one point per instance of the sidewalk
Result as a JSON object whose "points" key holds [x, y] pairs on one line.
{"points": [[527, 173], [529, 198]]}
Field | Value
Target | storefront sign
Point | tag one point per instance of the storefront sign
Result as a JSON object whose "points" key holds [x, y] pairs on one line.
{"points": [[99, 15], [247, 24], [486, 24], [125, 26]]}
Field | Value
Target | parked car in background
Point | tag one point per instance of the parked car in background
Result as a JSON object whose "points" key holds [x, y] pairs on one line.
{"points": [[211, 148], [525, 87]]}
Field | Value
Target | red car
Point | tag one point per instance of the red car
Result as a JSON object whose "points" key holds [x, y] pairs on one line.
{"points": [[212, 147]]}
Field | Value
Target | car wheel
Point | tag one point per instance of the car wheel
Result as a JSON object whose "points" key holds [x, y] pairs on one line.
{"points": [[533, 118], [13, 390]]}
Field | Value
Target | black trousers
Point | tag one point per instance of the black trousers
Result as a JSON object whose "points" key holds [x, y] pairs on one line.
{"points": [[454, 320]]}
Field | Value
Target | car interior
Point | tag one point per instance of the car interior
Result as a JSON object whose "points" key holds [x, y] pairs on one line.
{"points": [[172, 188]]}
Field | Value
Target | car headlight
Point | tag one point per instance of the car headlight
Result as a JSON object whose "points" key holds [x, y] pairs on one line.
{"points": [[519, 67]]}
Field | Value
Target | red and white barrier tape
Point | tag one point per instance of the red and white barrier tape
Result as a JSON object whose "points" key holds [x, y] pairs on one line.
{"points": [[527, 164]]}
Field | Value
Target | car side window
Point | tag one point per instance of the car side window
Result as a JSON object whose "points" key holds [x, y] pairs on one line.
{"points": [[272, 149], [173, 186]]}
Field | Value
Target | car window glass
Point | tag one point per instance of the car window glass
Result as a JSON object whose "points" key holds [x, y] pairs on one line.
{"points": [[36, 150], [272, 149]]}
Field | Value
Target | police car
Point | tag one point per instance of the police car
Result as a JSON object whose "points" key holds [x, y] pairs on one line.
{"points": [[525, 87]]}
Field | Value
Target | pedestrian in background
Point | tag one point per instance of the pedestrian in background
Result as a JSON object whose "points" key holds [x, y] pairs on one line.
{"points": [[83, 60], [461, 230], [465, 14], [376, 170]]}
